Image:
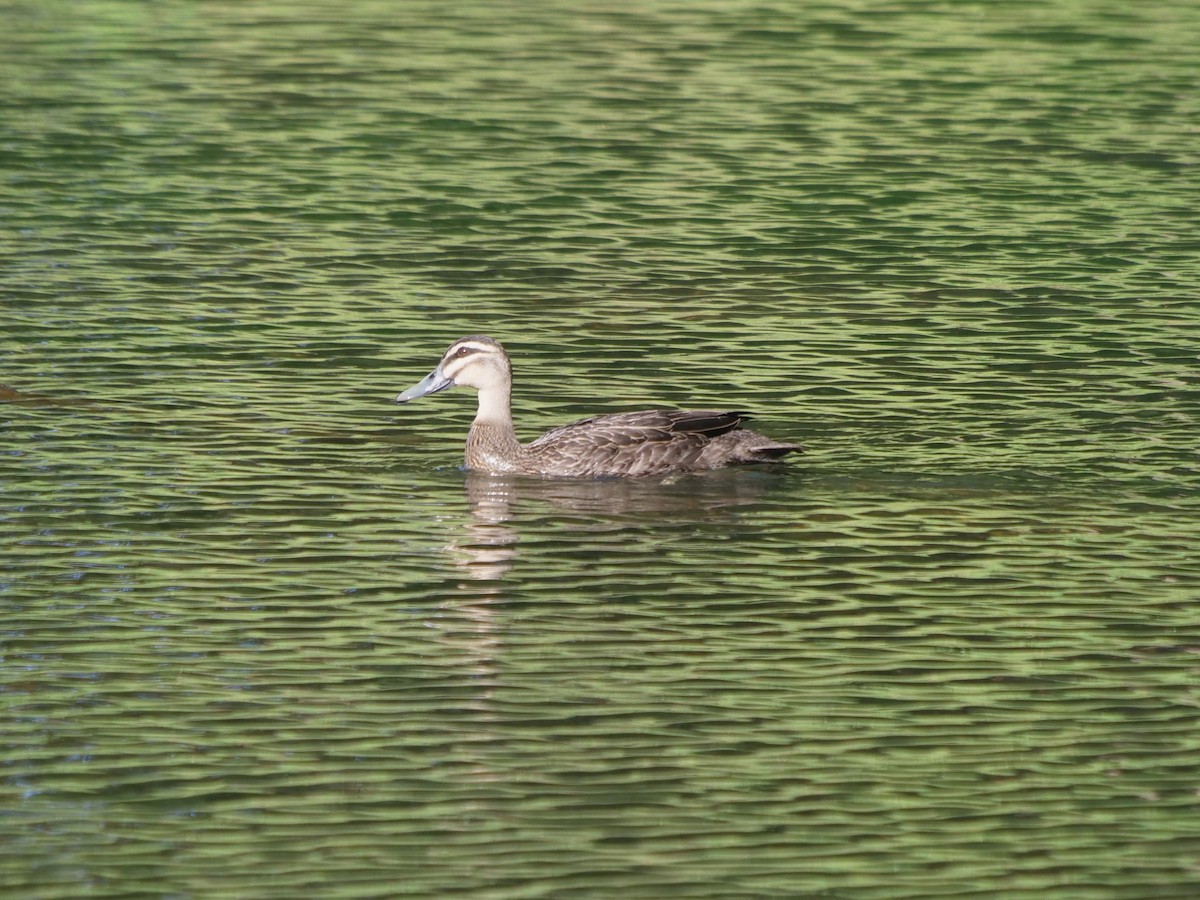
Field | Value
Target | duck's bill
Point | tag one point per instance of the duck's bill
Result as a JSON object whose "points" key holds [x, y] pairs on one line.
{"points": [[432, 383]]}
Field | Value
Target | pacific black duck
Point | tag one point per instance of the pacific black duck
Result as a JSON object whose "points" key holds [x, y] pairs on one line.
{"points": [[651, 442]]}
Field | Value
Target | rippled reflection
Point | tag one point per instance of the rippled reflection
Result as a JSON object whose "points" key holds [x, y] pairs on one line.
{"points": [[489, 543], [490, 540]]}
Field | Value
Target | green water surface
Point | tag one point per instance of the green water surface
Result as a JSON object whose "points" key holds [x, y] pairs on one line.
{"points": [[261, 637]]}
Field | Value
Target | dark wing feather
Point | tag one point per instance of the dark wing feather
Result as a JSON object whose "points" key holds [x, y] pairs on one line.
{"points": [[631, 428], [703, 421]]}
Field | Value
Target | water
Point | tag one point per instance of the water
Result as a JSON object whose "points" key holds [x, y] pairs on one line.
{"points": [[262, 637]]}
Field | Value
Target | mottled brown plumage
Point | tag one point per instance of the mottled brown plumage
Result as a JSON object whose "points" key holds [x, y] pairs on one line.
{"points": [[649, 442]]}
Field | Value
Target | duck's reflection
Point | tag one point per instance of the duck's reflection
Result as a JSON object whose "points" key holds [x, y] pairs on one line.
{"points": [[487, 546], [549, 516]]}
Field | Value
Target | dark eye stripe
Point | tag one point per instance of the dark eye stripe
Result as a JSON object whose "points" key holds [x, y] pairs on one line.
{"points": [[466, 349]]}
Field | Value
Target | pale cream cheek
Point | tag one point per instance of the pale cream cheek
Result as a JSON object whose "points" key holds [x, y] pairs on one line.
{"points": [[477, 375], [460, 375], [468, 378]]}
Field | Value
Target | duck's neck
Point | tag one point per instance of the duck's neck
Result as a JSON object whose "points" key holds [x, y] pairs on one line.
{"points": [[492, 444], [495, 405]]}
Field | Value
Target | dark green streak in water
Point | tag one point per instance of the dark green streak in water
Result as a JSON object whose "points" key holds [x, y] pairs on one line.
{"points": [[261, 638]]}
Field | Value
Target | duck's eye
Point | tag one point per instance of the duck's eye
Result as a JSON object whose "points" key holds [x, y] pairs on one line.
{"points": [[462, 351]]}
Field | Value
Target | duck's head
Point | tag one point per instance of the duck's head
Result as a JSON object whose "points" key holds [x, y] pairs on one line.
{"points": [[475, 361]]}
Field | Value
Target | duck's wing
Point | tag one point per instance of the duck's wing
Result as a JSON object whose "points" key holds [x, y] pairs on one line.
{"points": [[635, 443]]}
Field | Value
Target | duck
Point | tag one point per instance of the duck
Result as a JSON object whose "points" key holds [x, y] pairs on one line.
{"points": [[627, 444]]}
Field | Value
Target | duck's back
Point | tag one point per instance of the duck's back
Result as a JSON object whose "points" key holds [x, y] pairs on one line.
{"points": [[650, 442]]}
